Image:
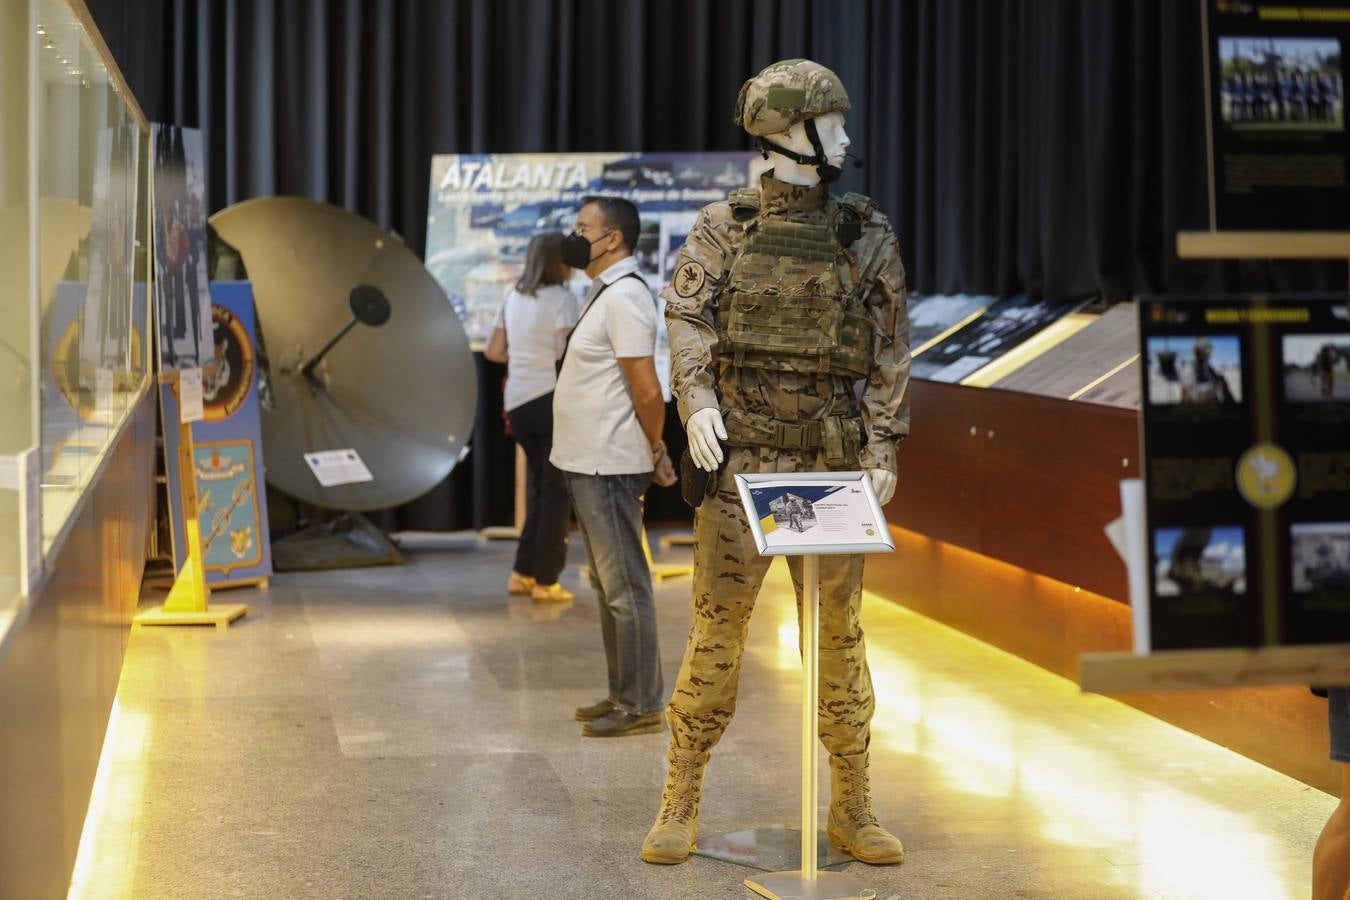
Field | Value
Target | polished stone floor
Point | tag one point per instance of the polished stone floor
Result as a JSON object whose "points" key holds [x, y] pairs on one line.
{"points": [[407, 733]]}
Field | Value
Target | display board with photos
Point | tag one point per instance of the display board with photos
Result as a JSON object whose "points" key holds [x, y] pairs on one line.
{"points": [[484, 208], [931, 315], [1246, 449], [1276, 111], [1000, 328]]}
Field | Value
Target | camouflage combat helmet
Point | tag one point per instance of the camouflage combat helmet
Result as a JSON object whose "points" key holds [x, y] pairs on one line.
{"points": [[786, 92]]}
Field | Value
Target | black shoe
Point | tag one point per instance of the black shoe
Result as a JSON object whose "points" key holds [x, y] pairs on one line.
{"points": [[594, 711], [620, 724]]}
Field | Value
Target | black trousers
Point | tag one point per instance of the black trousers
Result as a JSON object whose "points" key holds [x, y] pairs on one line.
{"points": [[542, 550]]}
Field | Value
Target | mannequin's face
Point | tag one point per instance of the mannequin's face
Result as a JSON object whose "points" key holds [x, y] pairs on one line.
{"points": [[833, 138]]}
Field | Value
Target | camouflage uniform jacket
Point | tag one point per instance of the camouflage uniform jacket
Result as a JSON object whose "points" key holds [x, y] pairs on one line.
{"points": [[700, 379]]}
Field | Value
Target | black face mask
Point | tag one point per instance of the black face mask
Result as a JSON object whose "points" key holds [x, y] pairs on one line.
{"points": [[576, 250]]}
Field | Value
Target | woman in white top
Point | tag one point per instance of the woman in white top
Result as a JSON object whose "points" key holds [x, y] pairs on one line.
{"points": [[530, 334]]}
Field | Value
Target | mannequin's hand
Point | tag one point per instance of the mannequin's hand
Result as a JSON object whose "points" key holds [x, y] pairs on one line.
{"points": [[883, 482], [706, 432], [664, 476]]}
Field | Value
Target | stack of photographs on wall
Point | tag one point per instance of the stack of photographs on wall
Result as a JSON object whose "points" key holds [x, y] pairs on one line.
{"points": [[1246, 449], [1276, 110]]}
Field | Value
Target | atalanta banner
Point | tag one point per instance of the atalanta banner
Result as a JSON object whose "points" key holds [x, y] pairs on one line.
{"points": [[484, 208]]}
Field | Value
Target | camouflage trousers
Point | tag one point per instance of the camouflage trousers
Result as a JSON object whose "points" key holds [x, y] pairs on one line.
{"points": [[728, 573]]}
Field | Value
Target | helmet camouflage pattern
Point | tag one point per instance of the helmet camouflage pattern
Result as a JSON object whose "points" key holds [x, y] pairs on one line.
{"points": [[787, 92]]}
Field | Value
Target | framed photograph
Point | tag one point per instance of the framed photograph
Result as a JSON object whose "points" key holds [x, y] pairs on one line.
{"points": [[803, 513]]}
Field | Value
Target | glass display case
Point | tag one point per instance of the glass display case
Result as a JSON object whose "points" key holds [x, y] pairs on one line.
{"points": [[74, 233]]}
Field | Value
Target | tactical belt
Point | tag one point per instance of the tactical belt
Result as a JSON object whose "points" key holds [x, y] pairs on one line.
{"points": [[749, 430]]}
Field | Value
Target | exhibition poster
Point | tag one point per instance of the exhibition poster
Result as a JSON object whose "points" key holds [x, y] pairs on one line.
{"points": [[1276, 109], [484, 208], [182, 297], [814, 512], [1003, 326], [227, 448], [1246, 452]]}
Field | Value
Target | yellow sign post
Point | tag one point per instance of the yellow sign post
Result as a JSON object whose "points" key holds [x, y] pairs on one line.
{"points": [[188, 600]]}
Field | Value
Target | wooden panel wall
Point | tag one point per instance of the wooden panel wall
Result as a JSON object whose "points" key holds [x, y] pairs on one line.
{"points": [[998, 524], [1027, 480], [59, 671]]}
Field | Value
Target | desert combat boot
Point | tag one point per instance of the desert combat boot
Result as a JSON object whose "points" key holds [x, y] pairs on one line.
{"points": [[672, 837], [852, 827]]}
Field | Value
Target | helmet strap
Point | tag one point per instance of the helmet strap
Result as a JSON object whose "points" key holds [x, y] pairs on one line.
{"points": [[827, 172]]}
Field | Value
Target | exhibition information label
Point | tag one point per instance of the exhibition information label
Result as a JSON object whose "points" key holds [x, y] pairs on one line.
{"points": [[190, 406], [813, 513], [337, 467]]}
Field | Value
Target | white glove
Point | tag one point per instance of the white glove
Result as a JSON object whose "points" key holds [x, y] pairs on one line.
{"points": [[883, 482], [706, 432]]}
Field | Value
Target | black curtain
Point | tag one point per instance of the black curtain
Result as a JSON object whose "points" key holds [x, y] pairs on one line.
{"points": [[1047, 146]]}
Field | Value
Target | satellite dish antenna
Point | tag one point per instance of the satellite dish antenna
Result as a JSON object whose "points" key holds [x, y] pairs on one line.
{"points": [[366, 353]]}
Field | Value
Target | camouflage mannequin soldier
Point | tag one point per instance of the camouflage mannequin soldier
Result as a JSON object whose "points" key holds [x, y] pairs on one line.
{"points": [[783, 299]]}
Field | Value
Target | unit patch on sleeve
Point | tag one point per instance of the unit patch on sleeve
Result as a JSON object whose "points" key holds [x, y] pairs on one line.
{"points": [[689, 279]]}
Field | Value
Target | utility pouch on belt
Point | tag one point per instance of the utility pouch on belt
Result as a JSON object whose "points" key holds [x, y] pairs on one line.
{"points": [[695, 484], [832, 441]]}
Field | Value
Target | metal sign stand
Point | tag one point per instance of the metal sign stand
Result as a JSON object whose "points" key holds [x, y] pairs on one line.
{"points": [[859, 526], [808, 883]]}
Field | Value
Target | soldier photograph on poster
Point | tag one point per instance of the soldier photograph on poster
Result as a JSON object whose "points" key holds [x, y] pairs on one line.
{"points": [[1317, 368], [1321, 560], [182, 297], [1281, 84], [1203, 370]]}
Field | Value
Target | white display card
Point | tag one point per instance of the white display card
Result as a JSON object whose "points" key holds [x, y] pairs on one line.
{"points": [[190, 407], [336, 467], [801, 513]]}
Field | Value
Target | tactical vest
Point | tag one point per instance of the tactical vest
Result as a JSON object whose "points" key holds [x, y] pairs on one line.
{"points": [[791, 302]]}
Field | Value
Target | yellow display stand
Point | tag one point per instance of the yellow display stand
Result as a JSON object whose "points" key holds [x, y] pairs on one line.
{"points": [[188, 600]]}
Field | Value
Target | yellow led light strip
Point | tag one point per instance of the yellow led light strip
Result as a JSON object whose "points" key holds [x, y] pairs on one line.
{"points": [[1098, 380]]}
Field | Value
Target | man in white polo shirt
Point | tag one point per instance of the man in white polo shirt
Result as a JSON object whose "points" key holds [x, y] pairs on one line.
{"points": [[608, 413]]}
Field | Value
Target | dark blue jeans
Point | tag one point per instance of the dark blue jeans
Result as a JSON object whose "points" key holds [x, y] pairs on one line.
{"points": [[609, 511]]}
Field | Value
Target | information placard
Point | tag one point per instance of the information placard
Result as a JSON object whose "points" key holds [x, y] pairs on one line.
{"points": [[799, 513], [1246, 440], [337, 467]]}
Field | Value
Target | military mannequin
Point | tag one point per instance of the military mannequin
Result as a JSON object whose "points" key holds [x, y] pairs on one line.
{"points": [[784, 298]]}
